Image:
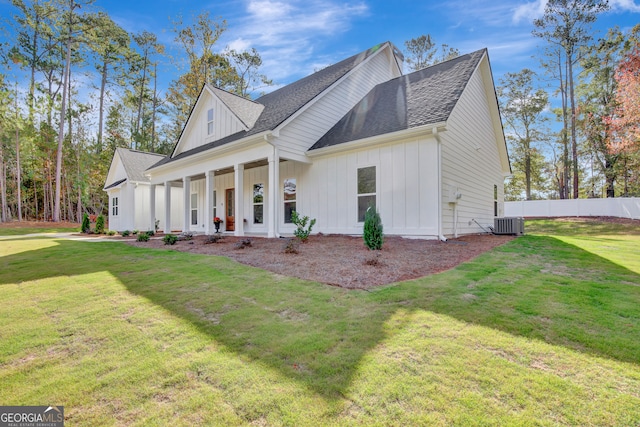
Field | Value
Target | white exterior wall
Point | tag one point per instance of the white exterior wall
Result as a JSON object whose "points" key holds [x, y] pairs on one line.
{"points": [[406, 184], [470, 163], [299, 135], [133, 208], [225, 123]]}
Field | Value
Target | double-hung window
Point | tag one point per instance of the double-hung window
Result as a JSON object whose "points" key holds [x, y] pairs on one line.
{"points": [[366, 190], [210, 122], [289, 199], [194, 209], [258, 203], [114, 206]]}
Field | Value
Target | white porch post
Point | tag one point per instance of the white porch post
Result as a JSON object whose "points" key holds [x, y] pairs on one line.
{"points": [[167, 207], [208, 202], [186, 187], [273, 193], [239, 201], [152, 207]]}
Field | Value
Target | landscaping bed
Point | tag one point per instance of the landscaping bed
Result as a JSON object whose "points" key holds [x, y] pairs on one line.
{"points": [[343, 260]]}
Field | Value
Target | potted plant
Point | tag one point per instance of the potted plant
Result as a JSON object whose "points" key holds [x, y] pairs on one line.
{"points": [[217, 221]]}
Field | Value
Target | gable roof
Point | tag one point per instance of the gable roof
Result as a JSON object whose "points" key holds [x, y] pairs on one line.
{"points": [[246, 111], [282, 103], [135, 163], [424, 97]]}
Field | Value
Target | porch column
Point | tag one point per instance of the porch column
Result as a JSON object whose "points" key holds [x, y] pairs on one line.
{"points": [[167, 207], [239, 186], [273, 193], [208, 203], [152, 207], [186, 191]]}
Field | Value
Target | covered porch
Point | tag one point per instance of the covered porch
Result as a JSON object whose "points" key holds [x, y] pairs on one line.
{"points": [[252, 192]]}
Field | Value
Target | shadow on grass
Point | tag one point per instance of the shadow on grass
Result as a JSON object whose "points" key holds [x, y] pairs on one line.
{"points": [[536, 287]]}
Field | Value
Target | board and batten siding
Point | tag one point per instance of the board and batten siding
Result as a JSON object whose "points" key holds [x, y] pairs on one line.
{"points": [[470, 162], [225, 123], [299, 135], [406, 189]]}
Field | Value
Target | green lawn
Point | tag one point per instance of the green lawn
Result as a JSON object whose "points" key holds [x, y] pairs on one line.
{"points": [[21, 229], [544, 330]]}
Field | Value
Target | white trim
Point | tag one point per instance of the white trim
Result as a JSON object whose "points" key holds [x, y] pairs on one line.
{"points": [[203, 156], [378, 139]]}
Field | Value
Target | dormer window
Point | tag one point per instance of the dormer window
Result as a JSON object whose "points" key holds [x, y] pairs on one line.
{"points": [[210, 121]]}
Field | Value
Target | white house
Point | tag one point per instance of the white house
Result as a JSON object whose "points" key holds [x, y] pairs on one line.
{"points": [[426, 148], [129, 192]]}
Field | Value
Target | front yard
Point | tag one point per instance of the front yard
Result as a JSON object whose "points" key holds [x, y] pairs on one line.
{"points": [[540, 331]]}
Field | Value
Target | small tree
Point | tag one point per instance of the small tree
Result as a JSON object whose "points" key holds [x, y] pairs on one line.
{"points": [[302, 232], [373, 235], [86, 226], [100, 224]]}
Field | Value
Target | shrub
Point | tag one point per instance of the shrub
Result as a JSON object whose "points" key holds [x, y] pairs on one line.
{"points": [[245, 243], [111, 233], [214, 238], [187, 235], [291, 246], [156, 226], [142, 237], [86, 226], [170, 239], [134, 232], [302, 231], [150, 233], [125, 233], [373, 236], [100, 224]]}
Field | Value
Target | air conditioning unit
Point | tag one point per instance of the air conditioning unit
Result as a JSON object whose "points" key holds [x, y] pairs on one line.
{"points": [[513, 226]]}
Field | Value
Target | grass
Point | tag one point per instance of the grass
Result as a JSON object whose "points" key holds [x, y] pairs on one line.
{"points": [[541, 331], [36, 227]]}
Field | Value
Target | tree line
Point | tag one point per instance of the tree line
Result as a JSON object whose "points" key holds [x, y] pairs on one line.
{"points": [[590, 87], [92, 86]]}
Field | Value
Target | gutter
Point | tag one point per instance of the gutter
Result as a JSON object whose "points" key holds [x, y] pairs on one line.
{"points": [[211, 153], [435, 133], [379, 139]]}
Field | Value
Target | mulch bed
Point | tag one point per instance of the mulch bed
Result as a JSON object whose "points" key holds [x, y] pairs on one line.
{"points": [[343, 260]]}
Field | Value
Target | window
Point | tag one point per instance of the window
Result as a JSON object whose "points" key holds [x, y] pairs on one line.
{"points": [[366, 190], [289, 199], [210, 121], [114, 206], [495, 200], [258, 203], [194, 209]]}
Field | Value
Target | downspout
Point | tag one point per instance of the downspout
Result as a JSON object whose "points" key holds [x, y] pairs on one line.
{"points": [[434, 132]]}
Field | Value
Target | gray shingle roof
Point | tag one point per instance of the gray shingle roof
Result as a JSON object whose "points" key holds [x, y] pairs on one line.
{"points": [[282, 103], [135, 164], [424, 97]]}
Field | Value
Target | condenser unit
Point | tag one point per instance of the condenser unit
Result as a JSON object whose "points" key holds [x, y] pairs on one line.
{"points": [[513, 226]]}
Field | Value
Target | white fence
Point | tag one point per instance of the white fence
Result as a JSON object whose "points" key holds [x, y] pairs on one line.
{"points": [[619, 207]]}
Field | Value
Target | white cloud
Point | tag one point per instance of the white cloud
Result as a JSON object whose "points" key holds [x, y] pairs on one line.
{"points": [[624, 6], [287, 32], [529, 11]]}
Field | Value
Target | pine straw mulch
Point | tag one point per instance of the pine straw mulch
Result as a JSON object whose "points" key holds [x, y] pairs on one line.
{"points": [[343, 260]]}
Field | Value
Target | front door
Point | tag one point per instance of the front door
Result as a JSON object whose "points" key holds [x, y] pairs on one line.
{"points": [[231, 208]]}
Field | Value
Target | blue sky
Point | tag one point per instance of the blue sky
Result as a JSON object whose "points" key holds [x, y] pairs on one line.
{"points": [[296, 37]]}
